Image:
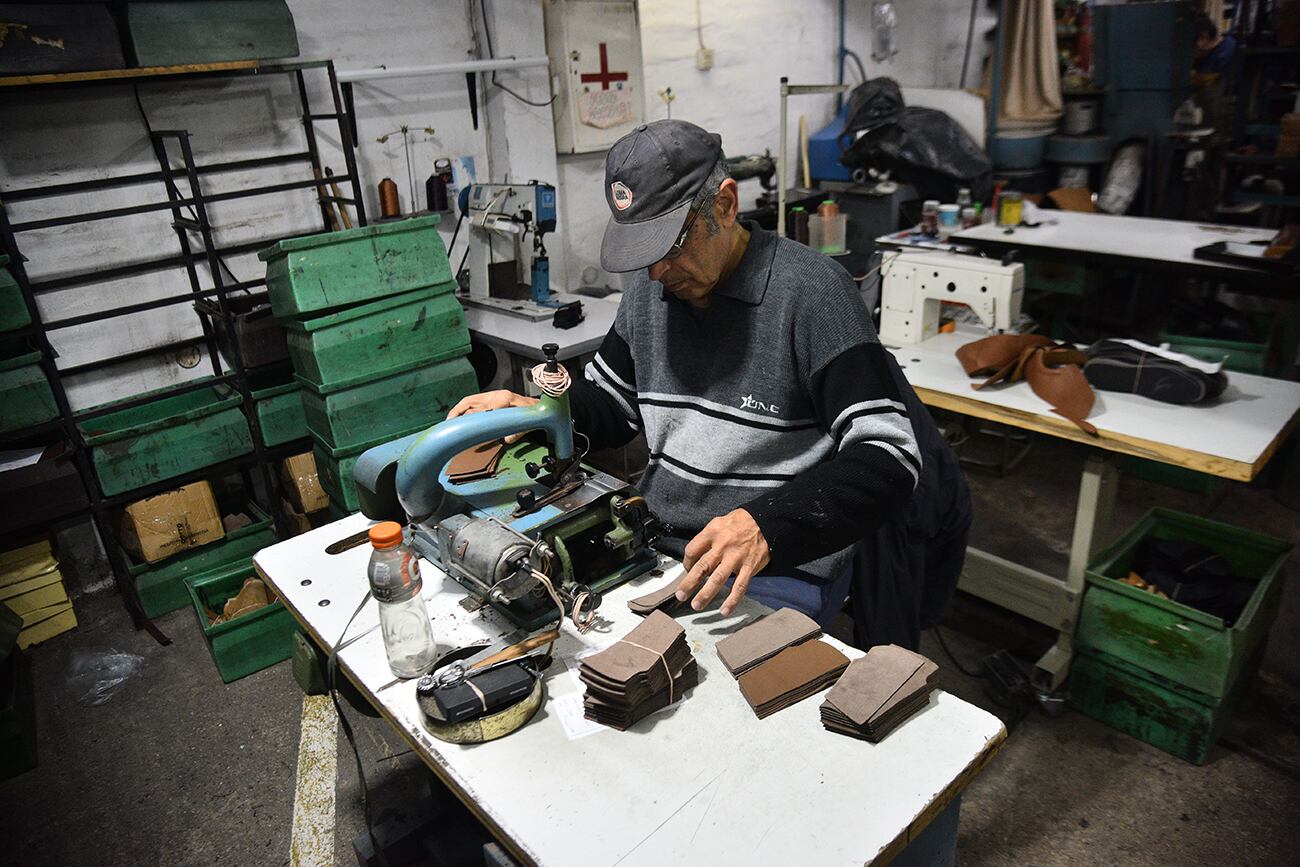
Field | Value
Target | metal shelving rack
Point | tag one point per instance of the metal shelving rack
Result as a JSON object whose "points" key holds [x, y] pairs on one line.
{"points": [[188, 205]]}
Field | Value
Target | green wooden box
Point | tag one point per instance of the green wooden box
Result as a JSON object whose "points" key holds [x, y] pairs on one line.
{"points": [[167, 437], [346, 418], [334, 467], [26, 398], [248, 643], [310, 275], [366, 342], [280, 413], [1153, 709], [210, 31], [1175, 641], [13, 309], [162, 586], [17, 715]]}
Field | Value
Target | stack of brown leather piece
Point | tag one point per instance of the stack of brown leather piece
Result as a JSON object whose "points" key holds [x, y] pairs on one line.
{"points": [[646, 670], [878, 692], [479, 462], [778, 660]]}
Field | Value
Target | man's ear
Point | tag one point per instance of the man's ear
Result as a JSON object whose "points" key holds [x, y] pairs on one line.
{"points": [[727, 205]]}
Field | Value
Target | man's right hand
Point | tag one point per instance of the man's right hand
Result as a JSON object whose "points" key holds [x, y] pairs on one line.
{"points": [[489, 400]]}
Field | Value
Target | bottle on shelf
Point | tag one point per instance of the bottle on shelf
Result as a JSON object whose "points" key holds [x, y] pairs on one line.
{"points": [[394, 574]]}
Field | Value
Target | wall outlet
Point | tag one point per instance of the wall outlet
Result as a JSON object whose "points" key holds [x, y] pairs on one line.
{"points": [[704, 58]]}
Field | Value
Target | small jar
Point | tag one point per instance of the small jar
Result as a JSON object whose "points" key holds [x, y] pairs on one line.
{"points": [[949, 220], [1009, 208], [969, 217], [930, 217]]}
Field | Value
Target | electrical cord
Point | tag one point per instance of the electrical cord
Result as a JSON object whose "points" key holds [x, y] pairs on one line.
{"points": [[948, 653], [487, 32], [970, 37], [862, 72]]}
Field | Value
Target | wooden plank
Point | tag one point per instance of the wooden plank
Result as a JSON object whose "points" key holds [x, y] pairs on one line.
{"points": [[141, 72], [1225, 468]]}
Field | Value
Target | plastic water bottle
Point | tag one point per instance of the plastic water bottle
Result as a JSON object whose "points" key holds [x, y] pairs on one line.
{"points": [[394, 574]]}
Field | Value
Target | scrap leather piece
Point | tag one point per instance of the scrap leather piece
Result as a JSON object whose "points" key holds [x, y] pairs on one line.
{"points": [[479, 462], [791, 676], [664, 599], [1054, 372], [991, 354], [764, 638]]}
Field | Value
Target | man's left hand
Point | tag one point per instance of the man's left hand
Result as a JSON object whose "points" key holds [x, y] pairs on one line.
{"points": [[730, 545]]}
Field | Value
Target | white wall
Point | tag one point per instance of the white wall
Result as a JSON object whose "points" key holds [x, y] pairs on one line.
{"points": [[754, 44]]}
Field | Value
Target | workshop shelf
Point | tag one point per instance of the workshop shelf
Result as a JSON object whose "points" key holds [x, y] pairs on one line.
{"points": [[250, 642], [1151, 708], [345, 418], [280, 413], [1185, 645], [334, 467], [167, 437], [13, 309], [162, 586], [310, 275], [26, 399], [378, 339]]}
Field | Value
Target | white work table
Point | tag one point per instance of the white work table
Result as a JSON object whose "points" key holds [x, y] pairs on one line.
{"points": [[1138, 242], [1231, 437], [704, 782], [524, 337]]}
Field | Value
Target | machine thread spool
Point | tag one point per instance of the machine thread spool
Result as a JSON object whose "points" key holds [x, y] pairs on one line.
{"points": [[389, 203], [553, 383]]}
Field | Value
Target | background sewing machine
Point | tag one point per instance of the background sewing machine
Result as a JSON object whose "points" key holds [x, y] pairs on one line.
{"points": [[914, 284], [541, 512], [508, 272]]}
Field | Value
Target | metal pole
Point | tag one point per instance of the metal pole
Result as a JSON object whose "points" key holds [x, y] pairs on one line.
{"points": [[780, 160], [468, 66]]}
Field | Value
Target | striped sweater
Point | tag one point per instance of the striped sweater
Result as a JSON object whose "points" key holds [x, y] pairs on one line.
{"points": [[776, 398]]}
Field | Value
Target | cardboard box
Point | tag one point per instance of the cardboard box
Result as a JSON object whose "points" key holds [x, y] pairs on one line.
{"points": [[301, 484], [167, 524], [33, 600], [27, 562], [46, 624]]}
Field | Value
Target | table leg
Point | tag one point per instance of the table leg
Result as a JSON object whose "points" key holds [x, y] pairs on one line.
{"points": [[936, 846]]}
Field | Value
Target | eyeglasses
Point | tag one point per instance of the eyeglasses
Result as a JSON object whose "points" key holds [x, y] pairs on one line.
{"points": [[676, 249]]}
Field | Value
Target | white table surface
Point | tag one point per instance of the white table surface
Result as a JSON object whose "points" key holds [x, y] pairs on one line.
{"points": [[1240, 427], [525, 337], [704, 782], [1157, 241]]}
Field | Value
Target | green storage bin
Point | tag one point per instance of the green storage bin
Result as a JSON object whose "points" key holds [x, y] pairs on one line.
{"points": [[1182, 644], [17, 715], [334, 467], [1059, 277], [345, 418], [166, 438], [363, 343], [26, 398], [1153, 709], [211, 31], [13, 309], [316, 273], [1239, 355], [280, 413], [248, 643], [162, 586]]}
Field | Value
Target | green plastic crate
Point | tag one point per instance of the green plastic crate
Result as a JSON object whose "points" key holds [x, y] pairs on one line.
{"points": [[363, 343], [162, 586], [166, 438], [248, 643], [310, 275], [1175, 641], [17, 715], [1059, 277], [13, 309], [280, 413], [213, 31], [1153, 709], [346, 418], [334, 467], [26, 398], [1239, 355]]}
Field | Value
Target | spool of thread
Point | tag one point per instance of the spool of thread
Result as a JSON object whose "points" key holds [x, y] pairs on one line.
{"points": [[797, 227], [389, 204], [930, 217], [828, 208]]}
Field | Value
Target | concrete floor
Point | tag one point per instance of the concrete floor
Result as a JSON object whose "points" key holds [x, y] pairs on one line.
{"points": [[180, 769]]}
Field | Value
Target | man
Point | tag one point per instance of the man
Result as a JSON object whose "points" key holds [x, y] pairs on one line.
{"points": [[778, 434], [1214, 50]]}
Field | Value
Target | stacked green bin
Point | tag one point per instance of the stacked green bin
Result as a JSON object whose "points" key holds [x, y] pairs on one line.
{"points": [[280, 413], [26, 398], [1165, 672], [167, 437], [13, 309], [162, 585], [250, 642], [377, 338]]}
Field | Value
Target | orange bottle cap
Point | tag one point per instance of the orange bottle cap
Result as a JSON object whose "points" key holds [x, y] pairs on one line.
{"points": [[386, 534]]}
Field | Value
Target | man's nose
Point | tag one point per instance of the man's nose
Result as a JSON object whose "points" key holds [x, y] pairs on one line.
{"points": [[658, 270]]}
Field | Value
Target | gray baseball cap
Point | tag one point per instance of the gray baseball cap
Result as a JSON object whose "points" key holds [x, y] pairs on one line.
{"points": [[652, 175]]}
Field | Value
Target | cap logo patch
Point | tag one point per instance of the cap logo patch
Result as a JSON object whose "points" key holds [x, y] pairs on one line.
{"points": [[621, 195]]}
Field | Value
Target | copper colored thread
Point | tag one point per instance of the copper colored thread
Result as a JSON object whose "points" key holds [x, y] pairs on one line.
{"points": [[389, 204]]}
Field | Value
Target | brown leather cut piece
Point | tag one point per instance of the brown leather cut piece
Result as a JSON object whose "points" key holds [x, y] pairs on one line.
{"points": [[991, 354], [1054, 372], [878, 692], [664, 599], [764, 638], [479, 462], [791, 676]]}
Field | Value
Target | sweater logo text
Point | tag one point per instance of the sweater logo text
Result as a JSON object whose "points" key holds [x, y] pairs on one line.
{"points": [[748, 402]]}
